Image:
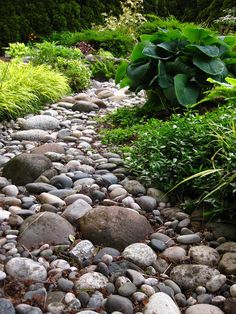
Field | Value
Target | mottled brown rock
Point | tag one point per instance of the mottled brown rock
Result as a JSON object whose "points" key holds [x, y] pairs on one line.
{"points": [[45, 227], [114, 226], [50, 147]]}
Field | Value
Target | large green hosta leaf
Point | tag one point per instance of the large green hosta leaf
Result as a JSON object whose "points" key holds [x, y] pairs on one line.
{"points": [[164, 80], [208, 65], [137, 71], [210, 51], [186, 93]]}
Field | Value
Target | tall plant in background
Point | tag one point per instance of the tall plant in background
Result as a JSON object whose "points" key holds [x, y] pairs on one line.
{"points": [[227, 23], [130, 18]]}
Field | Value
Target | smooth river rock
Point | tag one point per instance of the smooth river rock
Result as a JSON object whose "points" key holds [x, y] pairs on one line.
{"points": [[45, 227], [43, 122], [114, 226], [203, 309], [140, 254], [161, 303]]}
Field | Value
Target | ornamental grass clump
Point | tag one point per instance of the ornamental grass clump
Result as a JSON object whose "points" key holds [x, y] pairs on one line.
{"points": [[24, 88]]}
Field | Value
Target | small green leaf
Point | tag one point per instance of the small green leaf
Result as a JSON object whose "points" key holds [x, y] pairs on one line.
{"points": [[210, 66], [137, 52], [164, 80], [137, 70], [185, 93]]}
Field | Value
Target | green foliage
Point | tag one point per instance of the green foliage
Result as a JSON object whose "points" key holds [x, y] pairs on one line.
{"points": [[25, 88], [16, 50], [76, 71], [115, 41], [22, 20], [174, 64]]}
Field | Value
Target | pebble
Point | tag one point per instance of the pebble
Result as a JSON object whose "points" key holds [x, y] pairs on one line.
{"points": [[161, 303], [188, 239], [140, 254], [215, 283], [203, 308]]}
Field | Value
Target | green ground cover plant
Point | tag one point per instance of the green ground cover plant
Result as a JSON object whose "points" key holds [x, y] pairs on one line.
{"points": [[173, 65], [24, 88]]}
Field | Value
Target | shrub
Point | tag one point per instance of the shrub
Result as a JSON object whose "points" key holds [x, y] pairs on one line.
{"points": [[25, 88], [115, 41], [173, 65]]}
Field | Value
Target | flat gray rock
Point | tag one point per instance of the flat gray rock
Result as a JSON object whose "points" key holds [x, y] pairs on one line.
{"points": [[45, 227], [31, 135], [42, 122], [26, 269], [192, 276]]}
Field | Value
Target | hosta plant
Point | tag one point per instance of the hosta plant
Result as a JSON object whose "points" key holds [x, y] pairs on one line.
{"points": [[173, 65]]}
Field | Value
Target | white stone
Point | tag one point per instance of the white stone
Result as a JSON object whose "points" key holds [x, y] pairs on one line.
{"points": [[161, 303], [25, 269], [92, 280], [204, 309], [233, 291], [83, 250], [140, 254]]}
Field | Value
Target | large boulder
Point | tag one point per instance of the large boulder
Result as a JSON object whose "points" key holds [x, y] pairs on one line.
{"points": [[45, 227], [26, 168], [114, 226]]}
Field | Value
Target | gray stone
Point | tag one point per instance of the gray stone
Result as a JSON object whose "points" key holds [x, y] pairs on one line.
{"points": [[157, 194], [6, 307], [227, 264], [84, 250], [136, 277], [203, 308], [76, 210], [192, 276], [233, 290], [147, 203], [204, 255], [161, 303], [48, 198], [26, 269], [140, 254], [215, 283], [92, 280], [134, 187], [39, 187], [45, 227], [96, 300], [65, 284], [49, 147], [42, 122], [31, 135], [189, 238], [3, 160], [175, 254], [27, 309], [72, 198], [164, 238], [26, 168], [118, 303], [84, 106], [127, 289], [227, 247], [114, 226], [61, 181], [158, 245]]}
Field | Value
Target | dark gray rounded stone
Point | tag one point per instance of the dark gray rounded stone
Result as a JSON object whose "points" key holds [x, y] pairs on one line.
{"points": [[45, 227], [120, 304], [26, 168], [158, 245], [61, 182]]}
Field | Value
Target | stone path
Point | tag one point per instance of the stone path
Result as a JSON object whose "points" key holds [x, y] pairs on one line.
{"points": [[79, 235]]}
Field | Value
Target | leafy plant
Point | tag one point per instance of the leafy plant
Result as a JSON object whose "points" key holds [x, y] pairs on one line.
{"points": [[17, 50], [173, 65], [24, 88]]}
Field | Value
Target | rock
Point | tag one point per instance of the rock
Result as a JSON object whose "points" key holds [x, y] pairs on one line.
{"points": [[45, 227], [204, 255], [233, 290], [84, 106], [203, 308], [140, 254], [226, 230], [127, 289], [91, 281], [161, 303], [215, 283], [192, 276], [147, 203], [42, 122], [189, 238], [227, 247], [227, 264], [26, 269], [30, 135], [230, 306], [76, 210], [118, 303], [175, 254], [114, 226], [4, 214], [39, 187], [105, 94], [134, 187], [157, 194], [157, 245], [47, 198], [10, 190], [6, 307], [61, 181], [49, 147], [26, 168], [3, 160], [164, 238], [136, 277], [83, 250]]}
